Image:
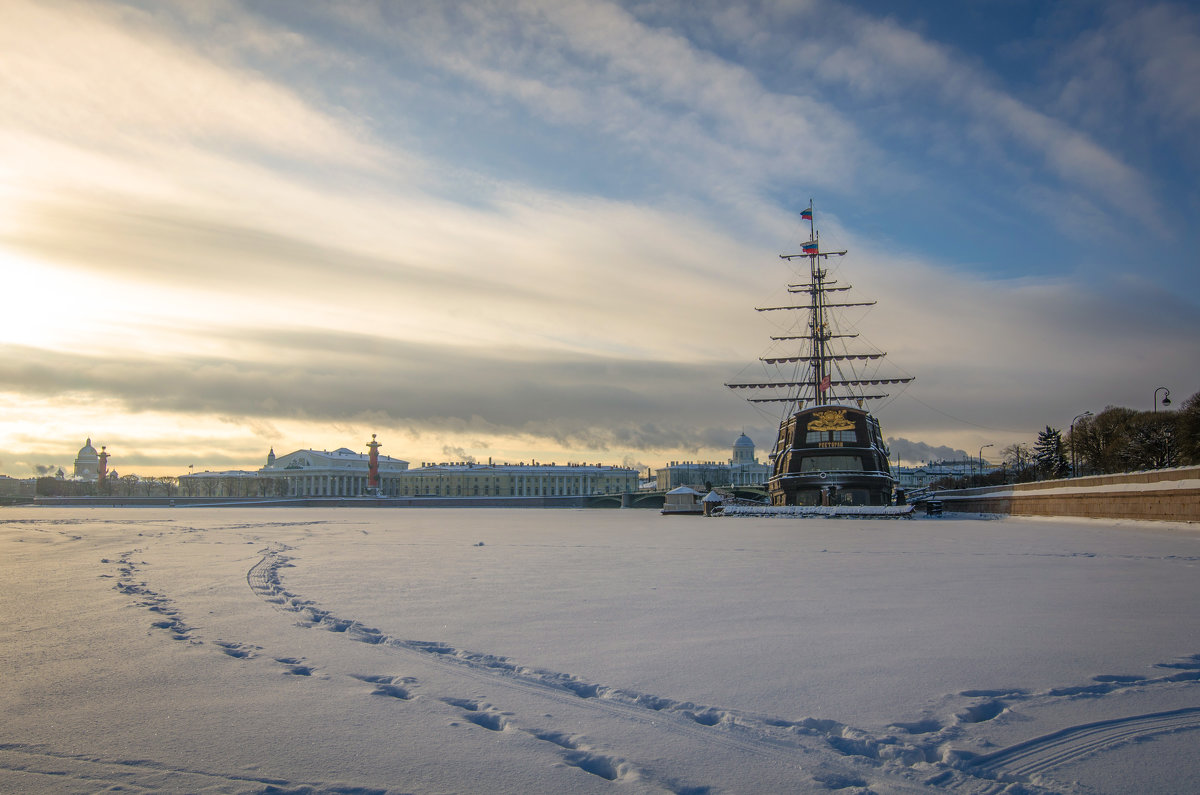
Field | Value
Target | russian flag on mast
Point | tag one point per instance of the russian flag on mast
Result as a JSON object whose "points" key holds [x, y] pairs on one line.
{"points": [[810, 247], [806, 214]]}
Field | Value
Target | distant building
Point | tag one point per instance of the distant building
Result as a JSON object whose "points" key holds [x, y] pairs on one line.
{"points": [[742, 469], [516, 480], [87, 463], [318, 473], [303, 473], [929, 473], [344, 473], [15, 487]]}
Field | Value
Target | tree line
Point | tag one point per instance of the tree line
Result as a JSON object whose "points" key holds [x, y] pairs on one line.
{"points": [[1117, 439], [166, 486]]}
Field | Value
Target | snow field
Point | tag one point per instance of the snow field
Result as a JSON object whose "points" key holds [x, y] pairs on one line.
{"points": [[240, 650]]}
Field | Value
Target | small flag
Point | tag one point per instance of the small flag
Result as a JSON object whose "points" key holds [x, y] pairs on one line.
{"points": [[825, 382], [806, 214], [810, 247]]}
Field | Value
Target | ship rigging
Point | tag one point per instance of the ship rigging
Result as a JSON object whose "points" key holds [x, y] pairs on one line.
{"points": [[830, 450]]}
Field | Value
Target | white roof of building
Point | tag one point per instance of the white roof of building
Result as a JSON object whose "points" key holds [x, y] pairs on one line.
{"points": [[342, 457]]}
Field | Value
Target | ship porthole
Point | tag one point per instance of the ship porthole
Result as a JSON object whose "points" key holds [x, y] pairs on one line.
{"points": [[824, 475]]}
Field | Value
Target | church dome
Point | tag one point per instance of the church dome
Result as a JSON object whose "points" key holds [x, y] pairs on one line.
{"points": [[87, 463], [743, 451]]}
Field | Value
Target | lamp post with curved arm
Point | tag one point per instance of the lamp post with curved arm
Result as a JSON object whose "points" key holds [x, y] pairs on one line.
{"points": [[1074, 457], [981, 459], [1166, 398]]}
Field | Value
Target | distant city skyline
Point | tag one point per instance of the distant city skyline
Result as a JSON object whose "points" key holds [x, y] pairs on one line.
{"points": [[539, 230]]}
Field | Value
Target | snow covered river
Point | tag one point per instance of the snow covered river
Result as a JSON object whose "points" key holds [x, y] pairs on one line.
{"points": [[548, 651]]}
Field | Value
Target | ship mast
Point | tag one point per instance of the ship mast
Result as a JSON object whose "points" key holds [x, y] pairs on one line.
{"points": [[824, 380]]}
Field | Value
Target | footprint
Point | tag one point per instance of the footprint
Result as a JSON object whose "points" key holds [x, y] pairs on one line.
{"points": [[558, 738], [238, 650], [490, 720], [707, 717], [480, 714], [590, 761], [391, 686], [606, 767], [462, 703], [979, 713], [295, 666]]}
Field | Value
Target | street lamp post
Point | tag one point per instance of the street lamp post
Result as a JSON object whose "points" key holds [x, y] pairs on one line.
{"points": [[1166, 398], [1074, 457], [981, 459]]}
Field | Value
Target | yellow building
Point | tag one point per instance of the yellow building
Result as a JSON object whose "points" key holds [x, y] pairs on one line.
{"points": [[515, 480]]}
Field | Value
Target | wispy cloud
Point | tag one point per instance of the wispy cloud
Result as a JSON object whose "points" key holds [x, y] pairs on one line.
{"points": [[325, 378], [1130, 77], [107, 78]]}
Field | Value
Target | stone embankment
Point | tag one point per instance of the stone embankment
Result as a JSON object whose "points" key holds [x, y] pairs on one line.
{"points": [[1161, 494], [323, 502]]}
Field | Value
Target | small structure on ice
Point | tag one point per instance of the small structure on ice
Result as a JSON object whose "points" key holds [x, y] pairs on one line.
{"points": [[683, 501]]}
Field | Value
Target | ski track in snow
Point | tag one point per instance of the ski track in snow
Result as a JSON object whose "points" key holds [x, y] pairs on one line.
{"points": [[99, 774], [1045, 753], [920, 752]]}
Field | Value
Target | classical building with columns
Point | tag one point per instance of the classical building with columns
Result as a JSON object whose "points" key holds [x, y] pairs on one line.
{"points": [[345, 473], [320, 473], [304, 473], [742, 469], [516, 480]]}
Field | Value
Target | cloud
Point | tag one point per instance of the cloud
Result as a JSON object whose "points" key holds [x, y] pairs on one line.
{"points": [[536, 271], [573, 401], [910, 451], [1129, 77], [887, 57], [111, 77], [1165, 42], [593, 68]]}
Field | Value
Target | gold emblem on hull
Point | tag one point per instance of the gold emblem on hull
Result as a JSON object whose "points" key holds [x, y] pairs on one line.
{"points": [[831, 420]]}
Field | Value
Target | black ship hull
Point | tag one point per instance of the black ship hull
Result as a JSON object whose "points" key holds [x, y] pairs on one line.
{"points": [[828, 456]]}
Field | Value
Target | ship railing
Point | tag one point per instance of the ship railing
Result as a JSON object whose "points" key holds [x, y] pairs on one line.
{"points": [[823, 473]]}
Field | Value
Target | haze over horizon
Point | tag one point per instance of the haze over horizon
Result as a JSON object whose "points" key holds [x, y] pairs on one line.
{"points": [[538, 230]]}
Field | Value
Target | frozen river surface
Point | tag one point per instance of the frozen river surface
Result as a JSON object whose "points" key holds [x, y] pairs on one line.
{"points": [[548, 651]]}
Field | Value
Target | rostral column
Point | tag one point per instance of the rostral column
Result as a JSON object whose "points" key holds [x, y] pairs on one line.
{"points": [[103, 465], [373, 469]]}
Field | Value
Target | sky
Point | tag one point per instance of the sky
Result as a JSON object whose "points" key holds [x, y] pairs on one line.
{"points": [[538, 230]]}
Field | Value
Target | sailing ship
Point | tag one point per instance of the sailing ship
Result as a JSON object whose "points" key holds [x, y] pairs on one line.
{"points": [[830, 450]]}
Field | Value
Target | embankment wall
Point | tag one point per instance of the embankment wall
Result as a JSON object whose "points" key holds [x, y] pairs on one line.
{"points": [[1161, 494], [316, 502]]}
